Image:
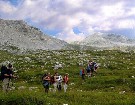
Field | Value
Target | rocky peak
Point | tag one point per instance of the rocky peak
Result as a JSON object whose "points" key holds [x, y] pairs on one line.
{"points": [[19, 34]]}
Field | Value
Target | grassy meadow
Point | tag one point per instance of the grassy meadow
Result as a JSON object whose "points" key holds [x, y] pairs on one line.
{"points": [[114, 83]]}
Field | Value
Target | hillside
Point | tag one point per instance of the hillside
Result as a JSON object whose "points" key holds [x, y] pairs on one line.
{"points": [[17, 34], [114, 83], [107, 41]]}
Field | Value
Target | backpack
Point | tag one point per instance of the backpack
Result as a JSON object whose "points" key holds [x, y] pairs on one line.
{"points": [[59, 79], [52, 79], [65, 79], [80, 72], [1, 77], [2, 71], [93, 65], [88, 68]]}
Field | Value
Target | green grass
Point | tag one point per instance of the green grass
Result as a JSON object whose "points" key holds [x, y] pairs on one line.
{"points": [[71, 98], [112, 85]]}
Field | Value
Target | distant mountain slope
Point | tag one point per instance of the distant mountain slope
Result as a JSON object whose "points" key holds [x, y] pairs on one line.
{"points": [[18, 34], [102, 40]]}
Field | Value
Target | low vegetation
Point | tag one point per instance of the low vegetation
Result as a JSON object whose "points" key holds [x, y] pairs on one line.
{"points": [[114, 83]]}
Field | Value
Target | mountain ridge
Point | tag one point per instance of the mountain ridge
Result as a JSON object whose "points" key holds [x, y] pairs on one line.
{"points": [[106, 40], [17, 33]]}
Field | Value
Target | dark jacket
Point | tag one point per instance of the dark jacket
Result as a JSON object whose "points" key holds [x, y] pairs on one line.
{"points": [[3, 70], [8, 72]]}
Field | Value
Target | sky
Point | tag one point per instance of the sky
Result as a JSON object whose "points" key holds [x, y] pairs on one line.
{"points": [[73, 20]]}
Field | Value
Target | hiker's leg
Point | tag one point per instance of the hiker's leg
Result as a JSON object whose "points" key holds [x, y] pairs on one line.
{"points": [[55, 86], [60, 87], [91, 73], [5, 84], [46, 90], [10, 84], [65, 87]]}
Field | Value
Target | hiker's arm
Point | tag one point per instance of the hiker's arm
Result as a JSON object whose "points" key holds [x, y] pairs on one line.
{"points": [[55, 78], [46, 78], [6, 75], [14, 76]]}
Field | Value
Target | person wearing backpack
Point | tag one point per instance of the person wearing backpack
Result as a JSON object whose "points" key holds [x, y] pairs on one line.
{"points": [[8, 75], [93, 66], [46, 82], [65, 80], [59, 84], [82, 73]]}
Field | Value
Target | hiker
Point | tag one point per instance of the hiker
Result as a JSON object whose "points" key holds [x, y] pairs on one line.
{"points": [[46, 82], [88, 70], [82, 74], [8, 75], [59, 84], [93, 67], [65, 80], [55, 81]]}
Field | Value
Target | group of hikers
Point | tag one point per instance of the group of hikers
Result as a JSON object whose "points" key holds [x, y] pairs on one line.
{"points": [[6, 76], [56, 80], [89, 70]]}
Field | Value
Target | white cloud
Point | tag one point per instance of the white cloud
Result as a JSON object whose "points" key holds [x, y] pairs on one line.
{"points": [[131, 12], [74, 3], [126, 24], [6, 7], [89, 16], [113, 11], [70, 36]]}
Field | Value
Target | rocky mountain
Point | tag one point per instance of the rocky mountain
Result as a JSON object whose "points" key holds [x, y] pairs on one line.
{"points": [[103, 40], [17, 34]]}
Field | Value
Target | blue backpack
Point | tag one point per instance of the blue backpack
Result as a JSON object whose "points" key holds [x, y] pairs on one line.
{"points": [[80, 72]]}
